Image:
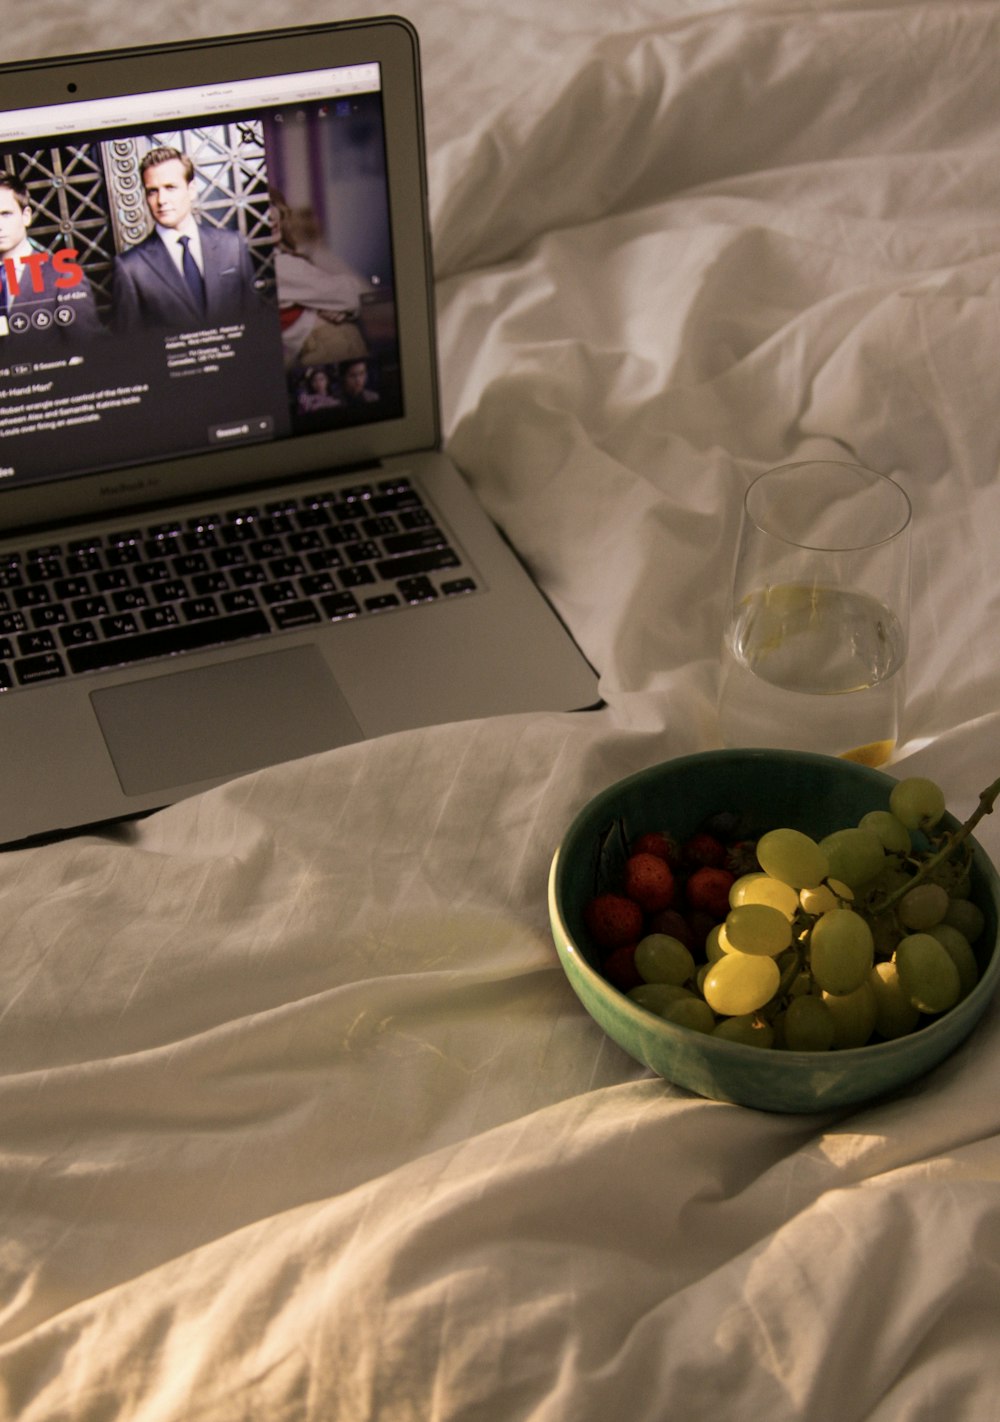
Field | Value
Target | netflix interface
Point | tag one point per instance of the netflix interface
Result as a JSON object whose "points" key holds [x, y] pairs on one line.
{"points": [[168, 290]]}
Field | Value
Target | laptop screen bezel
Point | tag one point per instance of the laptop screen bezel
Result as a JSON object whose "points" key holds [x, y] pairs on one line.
{"points": [[392, 43]]}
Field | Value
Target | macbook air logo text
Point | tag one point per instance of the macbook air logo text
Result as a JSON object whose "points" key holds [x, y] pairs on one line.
{"points": [[127, 486]]}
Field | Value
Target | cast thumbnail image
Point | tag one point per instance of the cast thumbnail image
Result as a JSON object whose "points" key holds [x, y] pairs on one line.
{"points": [[352, 385]]}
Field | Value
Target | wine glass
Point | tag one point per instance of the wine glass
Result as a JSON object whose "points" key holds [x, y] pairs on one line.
{"points": [[814, 648]]}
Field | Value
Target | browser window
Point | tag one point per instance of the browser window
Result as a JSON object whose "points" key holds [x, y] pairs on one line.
{"points": [[194, 269]]}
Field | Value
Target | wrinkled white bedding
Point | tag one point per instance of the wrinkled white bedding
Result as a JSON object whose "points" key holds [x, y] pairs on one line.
{"points": [[299, 1119]]}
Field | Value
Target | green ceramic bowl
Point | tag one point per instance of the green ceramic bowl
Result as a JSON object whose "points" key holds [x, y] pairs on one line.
{"points": [[812, 793]]}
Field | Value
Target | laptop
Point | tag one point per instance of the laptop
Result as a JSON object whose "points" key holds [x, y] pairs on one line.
{"points": [[229, 534]]}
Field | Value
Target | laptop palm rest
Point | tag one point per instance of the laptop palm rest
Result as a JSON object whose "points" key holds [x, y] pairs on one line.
{"points": [[205, 723]]}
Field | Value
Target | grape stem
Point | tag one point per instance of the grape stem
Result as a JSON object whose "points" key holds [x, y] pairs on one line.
{"points": [[952, 840]]}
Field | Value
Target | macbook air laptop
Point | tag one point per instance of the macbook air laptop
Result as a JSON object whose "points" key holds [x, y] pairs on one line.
{"points": [[229, 536]]}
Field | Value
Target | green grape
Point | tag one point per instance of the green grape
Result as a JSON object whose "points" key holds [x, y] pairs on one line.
{"points": [[748, 1028], [691, 1012], [853, 1015], [824, 897], [959, 949], [892, 832], [657, 997], [808, 1025], [740, 983], [923, 907], [917, 802], [927, 973], [792, 857], [762, 889], [713, 945], [895, 1015], [854, 855], [757, 928], [841, 951], [967, 917], [659, 958]]}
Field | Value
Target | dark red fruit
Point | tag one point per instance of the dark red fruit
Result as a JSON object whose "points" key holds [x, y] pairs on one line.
{"points": [[664, 846], [703, 850], [741, 858], [674, 923], [708, 889], [620, 970], [613, 920], [649, 881], [700, 925]]}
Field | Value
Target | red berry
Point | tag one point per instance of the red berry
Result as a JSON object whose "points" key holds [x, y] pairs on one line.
{"points": [[676, 925], [649, 881], [741, 857], [708, 889], [703, 850], [700, 925], [620, 970], [613, 920], [659, 843]]}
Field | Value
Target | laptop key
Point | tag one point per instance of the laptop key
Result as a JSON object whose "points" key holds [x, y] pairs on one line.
{"points": [[6, 680], [244, 600], [417, 589], [119, 626], [88, 560], [338, 605], [278, 592], [408, 565], [86, 607], [31, 643], [155, 617], [46, 667], [51, 615], [36, 596], [356, 577], [195, 608], [72, 587], [112, 580], [44, 569], [167, 641], [129, 599], [294, 614], [77, 633]]}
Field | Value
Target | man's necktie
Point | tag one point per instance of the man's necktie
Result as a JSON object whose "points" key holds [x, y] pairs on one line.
{"points": [[193, 277], [3, 292]]}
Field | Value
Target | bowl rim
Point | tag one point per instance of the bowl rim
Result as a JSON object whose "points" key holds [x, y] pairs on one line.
{"points": [[569, 951]]}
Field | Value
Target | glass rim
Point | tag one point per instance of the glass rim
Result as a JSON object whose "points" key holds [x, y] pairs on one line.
{"points": [[874, 478]]}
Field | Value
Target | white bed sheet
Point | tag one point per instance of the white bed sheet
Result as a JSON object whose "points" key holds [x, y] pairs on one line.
{"points": [[299, 1118]]}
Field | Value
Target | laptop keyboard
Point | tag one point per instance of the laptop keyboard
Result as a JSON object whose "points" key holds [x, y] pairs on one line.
{"points": [[108, 600]]}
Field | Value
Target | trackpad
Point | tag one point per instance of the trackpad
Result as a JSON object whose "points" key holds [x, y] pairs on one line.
{"points": [[212, 722]]}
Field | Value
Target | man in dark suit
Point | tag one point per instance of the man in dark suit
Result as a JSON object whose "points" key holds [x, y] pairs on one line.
{"points": [[44, 296], [185, 275]]}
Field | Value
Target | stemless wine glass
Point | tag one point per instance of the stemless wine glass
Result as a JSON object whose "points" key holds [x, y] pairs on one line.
{"points": [[814, 648]]}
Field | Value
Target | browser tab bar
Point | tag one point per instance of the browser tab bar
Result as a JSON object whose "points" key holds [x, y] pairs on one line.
{"points": [[85, 116]]}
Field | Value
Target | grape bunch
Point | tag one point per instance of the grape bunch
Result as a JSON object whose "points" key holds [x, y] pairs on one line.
{"points": [[790, 942]]}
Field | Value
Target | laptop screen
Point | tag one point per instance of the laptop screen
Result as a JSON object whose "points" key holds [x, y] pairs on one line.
{"points": [[192, 270]]}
